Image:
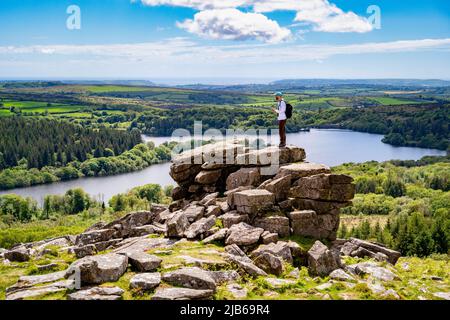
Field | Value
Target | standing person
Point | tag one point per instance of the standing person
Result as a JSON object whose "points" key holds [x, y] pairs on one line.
{"points": [[282, 118]]}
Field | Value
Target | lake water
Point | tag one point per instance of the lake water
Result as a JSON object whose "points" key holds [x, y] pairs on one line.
{"points": [[330, 147]]}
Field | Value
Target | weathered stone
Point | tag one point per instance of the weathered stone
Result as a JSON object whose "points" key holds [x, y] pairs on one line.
{"points": [[194, 212], [243, 234], [144, 262], [224, 207], [221, 277], [199, 227], [34, 292], [218, 236], [269, 263], [209, 200], [142, 231], [309, 224], [177, 205], [279, 283], [97, 293], [341, 275], [303, 169], [208, 177], [213, 211], [19, 254], [84, 251], [321, 261], [124, 225], [179, 193], [320, 187], [268, 237], [181, 294], [237, 291], [274, 224], [230, 196], [286, 205], [231, 218], [377, 248], [99, 269], [177, 225], [280, 249], [94, 236], [194, 278], [253, 201], [375, 271], [26, 282], [246, 264], [442, 295], [243, 178], [279, 187], [145, 281]]}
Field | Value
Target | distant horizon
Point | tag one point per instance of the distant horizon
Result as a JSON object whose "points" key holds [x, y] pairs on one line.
{"points": [[219, 81]]}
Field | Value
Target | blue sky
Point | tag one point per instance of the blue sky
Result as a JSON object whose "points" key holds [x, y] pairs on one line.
{"points": [[233, 39]]}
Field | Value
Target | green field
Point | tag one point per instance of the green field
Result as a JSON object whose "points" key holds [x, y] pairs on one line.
{"points": [[387, 101]]}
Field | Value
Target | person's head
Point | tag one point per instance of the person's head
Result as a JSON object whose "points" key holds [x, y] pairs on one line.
{"points": [[278, 96]]}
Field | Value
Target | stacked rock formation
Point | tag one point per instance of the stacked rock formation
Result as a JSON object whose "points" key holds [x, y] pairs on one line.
{"points": [[271, 188], [244, 199]]}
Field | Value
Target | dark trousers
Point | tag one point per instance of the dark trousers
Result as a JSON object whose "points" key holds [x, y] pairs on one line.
{"points": [[282, 129]]}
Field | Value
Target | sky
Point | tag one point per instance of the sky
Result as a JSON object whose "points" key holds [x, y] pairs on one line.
{"points": [[230, 40]]}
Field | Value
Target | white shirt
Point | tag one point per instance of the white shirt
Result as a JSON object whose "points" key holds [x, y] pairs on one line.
{"points": [[281, 110]]}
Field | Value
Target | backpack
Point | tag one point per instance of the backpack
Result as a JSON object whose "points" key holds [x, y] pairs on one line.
{"points": [[289, 110]]}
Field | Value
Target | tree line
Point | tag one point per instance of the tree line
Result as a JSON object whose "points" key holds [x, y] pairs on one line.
{"points": [[42, 142]]}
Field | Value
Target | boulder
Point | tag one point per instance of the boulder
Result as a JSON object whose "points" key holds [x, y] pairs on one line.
{"points": [[218, 236], [179, 193], [99, 269], [321, 260], [279, 187], [392, 255], [268, 237], [177, 225], [19, 254], [375, 271], [194, 212], [124, 225], [193, 278], [243, 178], [269, 263], [303, 169], [308, 223], [237, 291], [320, 187], [144, 262], [145, 281], [209, 200], [243, 234], [280, 249], [231, 218], [213, 211], [39, 291], [95, 236], [199, 227], [253, 201], [142, 231], [274, 224], [26, 282], [208, 177], [84, 251], [181, 294], [97, 293], [230, 196], [221, 277], [341, 275]]}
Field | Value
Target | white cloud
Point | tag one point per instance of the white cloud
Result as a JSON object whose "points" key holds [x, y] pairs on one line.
{"points": [[322, 15], [197, 4], [181, 49], [232, 24], [327, 17]]}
